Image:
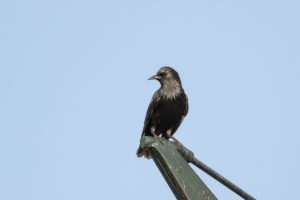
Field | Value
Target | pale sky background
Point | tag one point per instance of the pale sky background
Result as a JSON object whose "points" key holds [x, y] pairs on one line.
{"points": [[74, 93]]}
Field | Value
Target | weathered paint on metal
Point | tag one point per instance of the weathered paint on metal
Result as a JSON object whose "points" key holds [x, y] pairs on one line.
{"points": [[181, 178], [189, 157]]}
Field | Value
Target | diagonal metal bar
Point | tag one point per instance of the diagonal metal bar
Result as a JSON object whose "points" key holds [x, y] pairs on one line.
{"points": [[173, 161], [189, 157], [181, 178]]}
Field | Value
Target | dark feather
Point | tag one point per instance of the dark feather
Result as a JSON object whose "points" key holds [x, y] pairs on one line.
{"points": [[168, 106]]}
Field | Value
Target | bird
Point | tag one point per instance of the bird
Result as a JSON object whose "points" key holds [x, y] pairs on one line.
{"points": [[167, 109]]}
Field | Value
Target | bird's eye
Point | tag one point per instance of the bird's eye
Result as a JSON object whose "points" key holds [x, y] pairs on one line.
{"points": [[162, 74]]}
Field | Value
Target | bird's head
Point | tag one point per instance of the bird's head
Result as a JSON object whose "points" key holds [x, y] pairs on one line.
{"points": [[167, 76]]}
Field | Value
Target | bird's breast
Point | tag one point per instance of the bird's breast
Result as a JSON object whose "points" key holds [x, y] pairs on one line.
{"points": [[169, 113]]}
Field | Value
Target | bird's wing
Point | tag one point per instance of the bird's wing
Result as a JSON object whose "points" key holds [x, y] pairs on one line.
{"points": [[186, 106], [185, 112], [152, 106]]}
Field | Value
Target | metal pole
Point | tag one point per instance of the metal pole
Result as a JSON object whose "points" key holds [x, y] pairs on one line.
{"points": [[181, 178], [189, 157]]}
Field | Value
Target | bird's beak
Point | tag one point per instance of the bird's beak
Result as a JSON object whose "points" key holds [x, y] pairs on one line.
{"points": [[154, 77]]}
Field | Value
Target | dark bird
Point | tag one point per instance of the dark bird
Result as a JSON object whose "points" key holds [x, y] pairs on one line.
{"points": [[167, 109]]}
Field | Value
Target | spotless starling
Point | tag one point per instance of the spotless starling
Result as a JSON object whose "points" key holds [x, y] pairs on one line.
{"points": [[167, 109]]}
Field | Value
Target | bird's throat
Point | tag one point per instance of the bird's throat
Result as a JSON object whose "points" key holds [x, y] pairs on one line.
{"points": [[170, 90]]}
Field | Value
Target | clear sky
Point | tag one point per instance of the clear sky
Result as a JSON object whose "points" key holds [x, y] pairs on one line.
{"points": [[74, 93]]}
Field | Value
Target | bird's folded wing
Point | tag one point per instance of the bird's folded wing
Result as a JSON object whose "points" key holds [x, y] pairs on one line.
{"points": [[151, 108]]}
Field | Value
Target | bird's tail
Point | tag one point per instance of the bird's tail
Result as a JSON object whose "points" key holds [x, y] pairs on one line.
{"points": [[143, 152]]}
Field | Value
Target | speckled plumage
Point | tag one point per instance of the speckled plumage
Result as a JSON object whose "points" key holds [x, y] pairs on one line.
{"points": [[168, 107]]}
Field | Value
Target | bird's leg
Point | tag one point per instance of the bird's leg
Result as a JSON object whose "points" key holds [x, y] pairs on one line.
{"points": [[154, 134], [168, 133], [163, 138]]}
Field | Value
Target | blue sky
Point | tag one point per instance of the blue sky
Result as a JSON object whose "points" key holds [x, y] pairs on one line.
{"points": [[74, 92]]}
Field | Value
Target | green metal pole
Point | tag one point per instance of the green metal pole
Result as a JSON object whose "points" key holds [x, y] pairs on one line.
{"points": [[172, 162], [181, 178], [189, 157]]}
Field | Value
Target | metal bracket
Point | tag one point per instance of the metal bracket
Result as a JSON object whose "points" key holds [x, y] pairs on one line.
{"points": [[181, 178]]}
